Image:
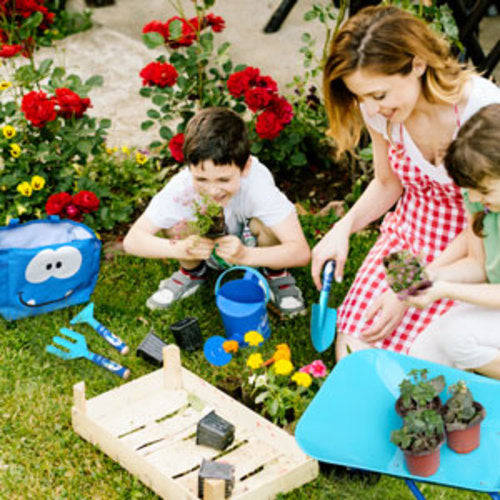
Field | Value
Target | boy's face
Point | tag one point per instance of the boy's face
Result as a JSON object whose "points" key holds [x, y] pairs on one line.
{"points": [[219, 182]]}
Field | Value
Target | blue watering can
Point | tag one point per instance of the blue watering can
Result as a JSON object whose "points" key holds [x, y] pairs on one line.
{"points": [[242, 304]]}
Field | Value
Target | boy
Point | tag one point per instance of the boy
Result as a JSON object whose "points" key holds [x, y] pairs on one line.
{"points": [[217, 150]]}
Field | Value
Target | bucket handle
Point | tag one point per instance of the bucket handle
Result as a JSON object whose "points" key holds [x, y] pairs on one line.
{"points": [[250, 270]]}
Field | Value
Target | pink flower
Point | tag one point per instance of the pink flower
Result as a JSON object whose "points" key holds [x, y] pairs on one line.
{"points": [[317, 369]]}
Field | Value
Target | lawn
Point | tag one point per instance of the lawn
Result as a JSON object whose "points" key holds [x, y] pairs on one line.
{"points": [[40, 455]]}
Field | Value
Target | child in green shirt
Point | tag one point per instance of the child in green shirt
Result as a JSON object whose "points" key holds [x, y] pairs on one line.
{"points": [[468, 336]]}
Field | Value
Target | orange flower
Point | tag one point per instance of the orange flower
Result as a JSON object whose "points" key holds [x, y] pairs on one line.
{"points": [[282, 352], [230, 346]]}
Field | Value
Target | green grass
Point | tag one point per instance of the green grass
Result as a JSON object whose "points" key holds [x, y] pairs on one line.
{"points": [[40, 455]]}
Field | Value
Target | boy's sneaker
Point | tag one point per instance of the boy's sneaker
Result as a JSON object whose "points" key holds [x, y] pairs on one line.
{"points": [[181, 284], [286, 297]]}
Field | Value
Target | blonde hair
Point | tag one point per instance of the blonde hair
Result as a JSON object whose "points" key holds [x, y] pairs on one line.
{"points": [[385, 40]]}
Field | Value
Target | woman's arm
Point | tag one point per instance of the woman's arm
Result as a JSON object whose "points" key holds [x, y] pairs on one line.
{"points": [[380, 195]]}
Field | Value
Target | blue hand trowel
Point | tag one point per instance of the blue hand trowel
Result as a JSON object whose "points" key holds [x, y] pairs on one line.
{"points": [[324, 318]]}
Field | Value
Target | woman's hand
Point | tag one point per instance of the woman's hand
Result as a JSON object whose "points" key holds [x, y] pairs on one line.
{"points": [[195, 247], [231, 249], [426, 297], [333, 246], [390, 310]]}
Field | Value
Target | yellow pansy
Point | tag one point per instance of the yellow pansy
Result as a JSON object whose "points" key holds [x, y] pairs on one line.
{"points": [[15, 150], [230, 346], [283, 367], [37, 182], [302, 379], [255, 361], [25, 188], [126, 150], [8, 131], [141, 158], [4, 85], [253, 338], [110, 151], [21, 209]]}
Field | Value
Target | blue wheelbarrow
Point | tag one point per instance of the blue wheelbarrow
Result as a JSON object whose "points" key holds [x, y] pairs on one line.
{"points": [[350, 420]]}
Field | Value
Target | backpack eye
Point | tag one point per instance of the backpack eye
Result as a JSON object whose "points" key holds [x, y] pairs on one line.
{"points": [[61, 263]]}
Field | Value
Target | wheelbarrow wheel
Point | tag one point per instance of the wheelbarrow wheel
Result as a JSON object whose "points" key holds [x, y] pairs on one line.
{"points": [[333, 471]]}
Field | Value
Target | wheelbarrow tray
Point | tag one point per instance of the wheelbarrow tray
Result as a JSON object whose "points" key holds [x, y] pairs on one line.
{"points": [[350, 420]]}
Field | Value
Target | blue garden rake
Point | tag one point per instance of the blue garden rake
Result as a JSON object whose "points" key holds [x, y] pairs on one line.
{"points": [[77, 348]]}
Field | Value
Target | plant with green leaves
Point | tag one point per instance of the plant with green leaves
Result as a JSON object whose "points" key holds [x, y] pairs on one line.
{"points": [[209, 218], [461, 411], [417, 392], [423, 430]]}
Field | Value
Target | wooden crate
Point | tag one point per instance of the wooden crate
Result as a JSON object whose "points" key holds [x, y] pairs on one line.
{"points": [[149, 425]]}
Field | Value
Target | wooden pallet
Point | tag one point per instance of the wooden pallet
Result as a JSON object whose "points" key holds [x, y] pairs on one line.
{"points": [[149, 425]]}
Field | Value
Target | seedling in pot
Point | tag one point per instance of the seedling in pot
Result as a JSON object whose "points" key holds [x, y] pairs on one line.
{"points": [[405, 273], [209, 218], [420, 439], [418, 393], [462, 417]]}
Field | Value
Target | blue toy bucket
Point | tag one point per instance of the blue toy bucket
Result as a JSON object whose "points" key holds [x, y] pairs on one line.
{"points": [[242, 304]]}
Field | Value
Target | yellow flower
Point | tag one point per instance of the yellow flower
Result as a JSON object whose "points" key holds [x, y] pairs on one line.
{"points": [[8, 131], [21, 209], [282, 352], [253, 338], [37, 182], [255, 361], [141, 158], [283, 367], [302, 379], [5, 85], [25, 188], [230, 346], [15, 150], [126, 150], [3, 187]]}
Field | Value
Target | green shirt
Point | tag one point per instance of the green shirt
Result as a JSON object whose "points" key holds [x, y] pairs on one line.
{"points": [[491, 240]]}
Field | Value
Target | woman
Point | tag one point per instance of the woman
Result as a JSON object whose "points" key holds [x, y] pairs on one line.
{"points": [[389, 71]]}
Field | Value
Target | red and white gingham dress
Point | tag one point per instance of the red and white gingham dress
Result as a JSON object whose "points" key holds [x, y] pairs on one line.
{"points": [[428, 216]]}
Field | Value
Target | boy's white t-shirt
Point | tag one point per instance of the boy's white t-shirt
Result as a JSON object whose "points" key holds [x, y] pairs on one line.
{"points": [[257, 197]]}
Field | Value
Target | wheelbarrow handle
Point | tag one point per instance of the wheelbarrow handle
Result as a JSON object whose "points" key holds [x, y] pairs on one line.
{"points": [[111, 366], [111, 338]]}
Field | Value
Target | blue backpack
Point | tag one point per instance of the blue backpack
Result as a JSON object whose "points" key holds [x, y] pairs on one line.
{"points": [[46, 265]]}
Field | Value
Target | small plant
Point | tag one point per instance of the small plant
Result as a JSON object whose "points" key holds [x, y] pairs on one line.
{"points": [[209, 218], [461, 411], [423, 430], [418, 392], [405, 273]]}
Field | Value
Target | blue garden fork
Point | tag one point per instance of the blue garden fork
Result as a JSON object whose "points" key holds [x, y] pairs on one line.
{"points": [[77, 348]]}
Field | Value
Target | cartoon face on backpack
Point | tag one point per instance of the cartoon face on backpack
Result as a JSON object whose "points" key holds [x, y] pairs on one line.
{"points": [[45, 278]]}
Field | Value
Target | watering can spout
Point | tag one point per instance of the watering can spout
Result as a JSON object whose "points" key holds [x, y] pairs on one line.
{"points": [[86, 315]]}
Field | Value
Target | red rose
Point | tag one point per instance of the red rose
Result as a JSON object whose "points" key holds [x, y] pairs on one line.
{"points": [[86, 201], [38, 109], [71, 104], [215, 22], [282, 108], [57, 203], [266, 82], [10, 50], [156, 27], [73, 213], [237, 84], [175, 146], [160, 74], [185, 38], [252, 74], [268, 125], [257, 98]]}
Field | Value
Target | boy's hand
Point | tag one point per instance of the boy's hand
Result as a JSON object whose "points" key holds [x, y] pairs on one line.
{"points": [[426, 297], [196, 247], [231, 249]]}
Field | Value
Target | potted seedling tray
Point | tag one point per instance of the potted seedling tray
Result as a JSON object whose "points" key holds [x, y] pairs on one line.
{"points": [[355, 410], [149, 427]]}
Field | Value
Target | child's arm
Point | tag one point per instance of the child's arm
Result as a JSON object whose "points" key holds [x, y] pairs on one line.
{"points": [[141, 240], [292, 250]]}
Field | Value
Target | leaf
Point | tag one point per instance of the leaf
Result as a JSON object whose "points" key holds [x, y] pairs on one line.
{"points": [[84, 146], [159, 99], [32, 22], [175, 29], [153, 39], [146, 91], [147, 124], [45, 66], [165, 133], [95, 81], [261, 397], [105, 123], [152, 113], [273, 407]]}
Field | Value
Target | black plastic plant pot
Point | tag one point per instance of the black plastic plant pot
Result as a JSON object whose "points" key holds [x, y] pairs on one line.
{"points": [[151, 349], [217, 229], [99, 3], [212, 430], [187, 334], [210, 469]]}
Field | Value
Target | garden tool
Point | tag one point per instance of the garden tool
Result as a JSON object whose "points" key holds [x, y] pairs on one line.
{"points": [[324, 318], [77, 348], [86, 315]]}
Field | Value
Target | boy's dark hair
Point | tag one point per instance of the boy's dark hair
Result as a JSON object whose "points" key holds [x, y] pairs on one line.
{"points": [[474, 155], [217, 134]]}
